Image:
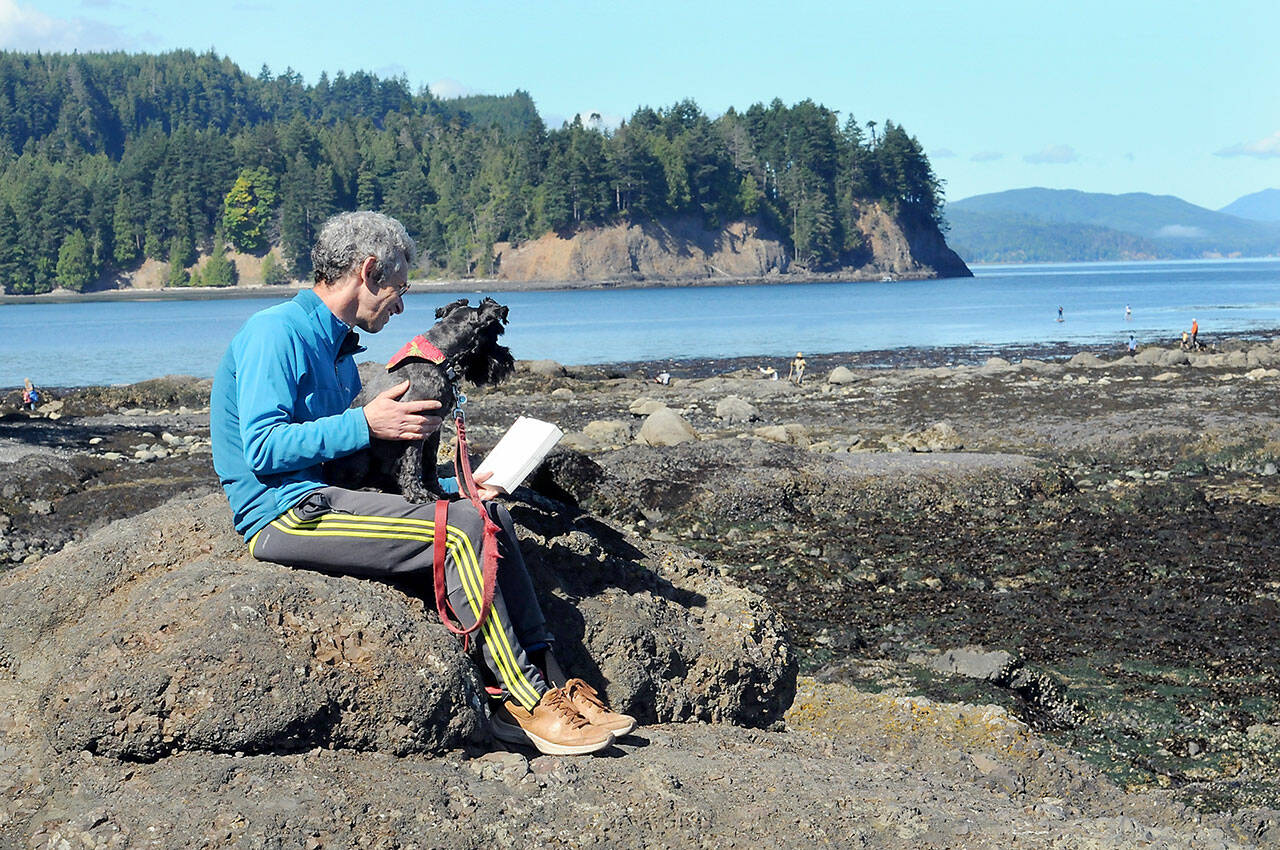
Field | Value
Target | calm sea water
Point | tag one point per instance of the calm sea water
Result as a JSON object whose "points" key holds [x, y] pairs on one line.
{"points": [[81, 343]]}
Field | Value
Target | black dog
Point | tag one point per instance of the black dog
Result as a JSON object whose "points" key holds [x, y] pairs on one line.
{"points": [[462, 344]]}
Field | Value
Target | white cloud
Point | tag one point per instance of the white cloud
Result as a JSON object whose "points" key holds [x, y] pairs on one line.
{"points": [[26, 28], [449, 88], [986, 156], [942, 153], [1052, 155], [1180, 231], [1264, 148]]}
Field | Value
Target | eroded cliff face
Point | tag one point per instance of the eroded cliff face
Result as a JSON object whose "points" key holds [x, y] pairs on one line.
{"points": [[684, 249]]}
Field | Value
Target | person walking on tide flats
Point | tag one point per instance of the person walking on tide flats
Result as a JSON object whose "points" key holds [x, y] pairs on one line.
{"points": [[280, 409]]}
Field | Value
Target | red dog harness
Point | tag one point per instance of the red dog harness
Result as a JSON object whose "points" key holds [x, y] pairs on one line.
{"points": [[419, 346]]}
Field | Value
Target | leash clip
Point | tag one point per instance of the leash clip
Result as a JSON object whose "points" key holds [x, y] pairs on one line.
{"points": [[459, 400]]}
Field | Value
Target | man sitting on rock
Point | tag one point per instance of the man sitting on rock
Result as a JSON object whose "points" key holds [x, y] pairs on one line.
{"points": [[280, 409]]}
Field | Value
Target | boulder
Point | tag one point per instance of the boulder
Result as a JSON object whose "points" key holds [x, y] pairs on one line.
{"points": [[158, 635], [1086, 359], [608, 432], [665, 427], [938, 437], [792, 433], [735, 410], [545, 368], [644, 406], [841, 375], [1150, 356], [1040, 367], [971, 662]]}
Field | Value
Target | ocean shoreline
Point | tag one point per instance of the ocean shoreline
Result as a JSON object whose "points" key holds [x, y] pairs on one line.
{"points": [[818, 364], [180, 293]]}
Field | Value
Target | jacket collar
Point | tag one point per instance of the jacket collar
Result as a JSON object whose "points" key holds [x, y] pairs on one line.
{"points": [[332, 331]]}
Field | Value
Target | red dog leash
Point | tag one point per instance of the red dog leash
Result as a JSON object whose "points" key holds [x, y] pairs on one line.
{"points": [[422, 347], [488, 545]]}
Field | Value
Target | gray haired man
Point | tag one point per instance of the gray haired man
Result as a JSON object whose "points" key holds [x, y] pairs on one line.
{"points": [[280, 408]]}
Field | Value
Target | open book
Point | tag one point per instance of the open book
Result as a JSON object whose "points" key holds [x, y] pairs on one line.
{"points": [[519, 452]]}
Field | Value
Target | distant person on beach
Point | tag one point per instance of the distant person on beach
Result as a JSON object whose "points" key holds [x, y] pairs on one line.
{"points": [[1128, 314], [1060, 313], [30, 395], [1133, 345], [280, 409], [662, 378], [1186, 340], [796, 375], [1195, 333], [768, 372]]}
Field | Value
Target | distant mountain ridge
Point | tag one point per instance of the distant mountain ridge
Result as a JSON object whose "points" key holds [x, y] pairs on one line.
{"points": [[1064, 225], [1260, 206]]}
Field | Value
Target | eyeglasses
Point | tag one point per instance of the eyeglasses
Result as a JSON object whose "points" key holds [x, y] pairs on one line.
{"points": [[403, 289]]}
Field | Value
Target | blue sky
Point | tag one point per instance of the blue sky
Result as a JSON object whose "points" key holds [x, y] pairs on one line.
{"points": [[1169, 97]]}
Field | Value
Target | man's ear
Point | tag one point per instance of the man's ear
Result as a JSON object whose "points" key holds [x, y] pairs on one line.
{"points": [[367, 269]]}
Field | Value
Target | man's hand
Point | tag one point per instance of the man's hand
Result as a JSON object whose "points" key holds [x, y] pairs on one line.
{"points": [[487, 493], [390, 419]]}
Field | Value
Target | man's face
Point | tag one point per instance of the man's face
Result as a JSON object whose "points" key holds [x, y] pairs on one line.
{"points": [[378, 303]]}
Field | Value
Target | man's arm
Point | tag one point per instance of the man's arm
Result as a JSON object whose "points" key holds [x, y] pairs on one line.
{"points": [[268, 370]]}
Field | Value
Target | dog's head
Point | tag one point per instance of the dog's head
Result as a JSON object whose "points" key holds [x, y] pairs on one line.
{"points": [[469, 338]]}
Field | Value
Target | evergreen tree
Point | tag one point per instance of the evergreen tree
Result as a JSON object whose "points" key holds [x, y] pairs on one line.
{"points": [[181, 255], [14, 274], [75, 263], [273, 273], [219, 270]]}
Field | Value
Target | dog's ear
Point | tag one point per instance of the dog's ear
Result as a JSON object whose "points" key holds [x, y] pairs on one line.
{"points": [[491, 311], [441, 312]]}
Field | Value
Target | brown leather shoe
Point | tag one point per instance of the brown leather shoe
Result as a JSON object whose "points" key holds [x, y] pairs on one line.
{"points": [[554, 726], [587, 700]]}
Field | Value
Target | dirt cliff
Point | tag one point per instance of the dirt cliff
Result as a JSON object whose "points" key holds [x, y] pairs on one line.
{"points": [[685, 249]]}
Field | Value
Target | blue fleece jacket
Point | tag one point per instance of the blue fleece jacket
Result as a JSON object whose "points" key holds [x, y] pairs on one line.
{"points": [[280, 407]]}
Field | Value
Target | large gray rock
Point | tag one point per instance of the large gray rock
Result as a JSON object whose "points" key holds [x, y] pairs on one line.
{"points": [[1087, 359], [735, 410], [938, 437], [1150, 356], [158, 636], [665, 427], [545, 368], [841, 375], [644, 406], [972, 662], [608, 432]]}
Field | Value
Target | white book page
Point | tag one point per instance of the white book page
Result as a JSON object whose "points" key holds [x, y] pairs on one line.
{"points": [[519, 452]]}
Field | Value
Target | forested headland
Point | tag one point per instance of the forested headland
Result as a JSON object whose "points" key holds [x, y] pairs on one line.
{"points": [[111, 158]]}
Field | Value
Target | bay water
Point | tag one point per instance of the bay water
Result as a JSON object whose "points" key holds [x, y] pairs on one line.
{"points": [[107, 342]]}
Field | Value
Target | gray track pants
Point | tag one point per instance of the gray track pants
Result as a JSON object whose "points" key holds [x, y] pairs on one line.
{"points": [[381, 535]]}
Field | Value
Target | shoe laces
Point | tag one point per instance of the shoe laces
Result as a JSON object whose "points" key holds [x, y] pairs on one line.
{"points": [[578, 688], [559, 702]]}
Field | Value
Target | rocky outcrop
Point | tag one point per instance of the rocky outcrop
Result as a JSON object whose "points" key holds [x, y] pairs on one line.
{"points": [[900, 248], [684, 249], [158, 635]]}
